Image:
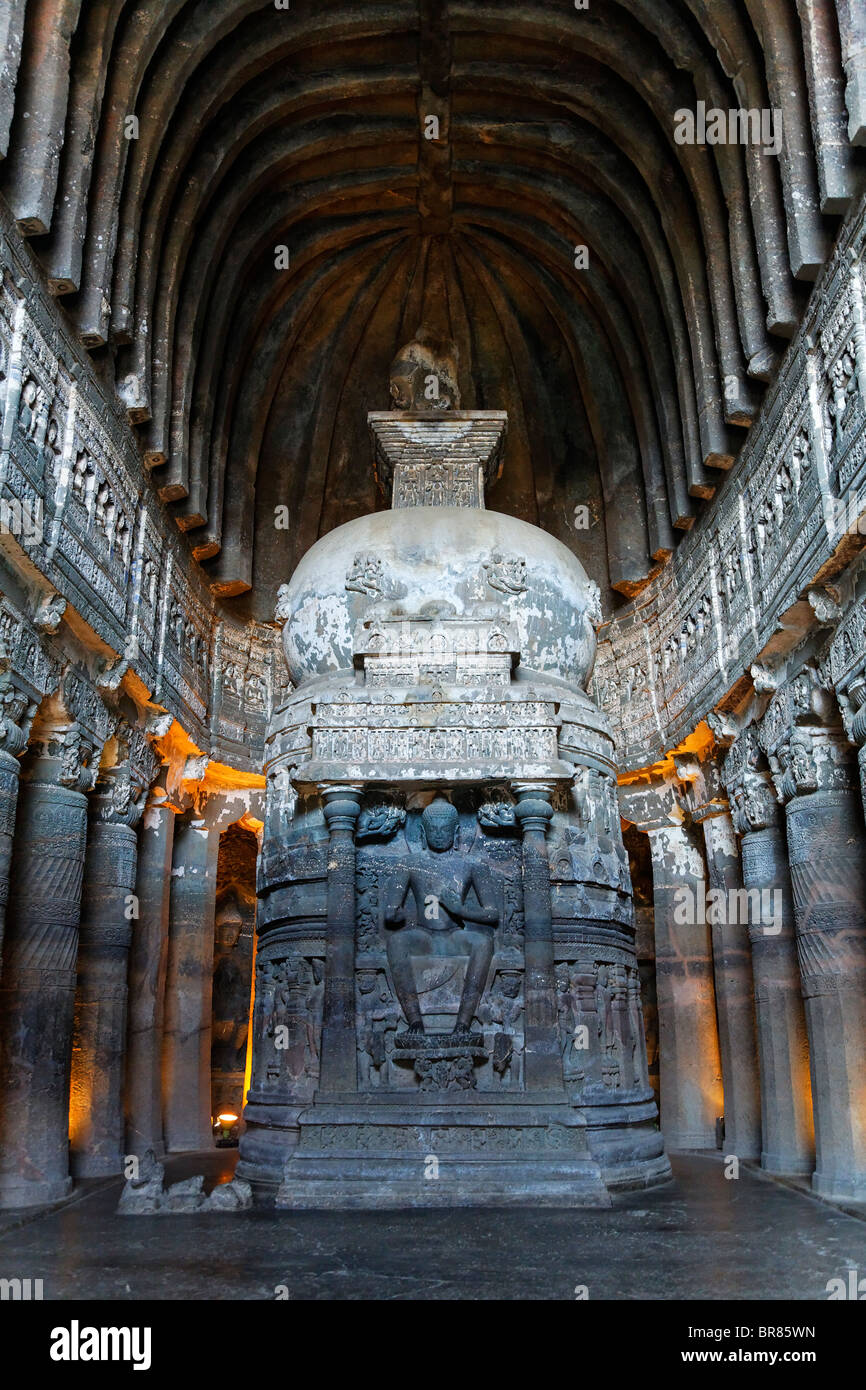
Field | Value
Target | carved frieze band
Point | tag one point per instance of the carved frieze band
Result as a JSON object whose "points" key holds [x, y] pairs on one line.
{"points": [[795, 495], [76, 500]]}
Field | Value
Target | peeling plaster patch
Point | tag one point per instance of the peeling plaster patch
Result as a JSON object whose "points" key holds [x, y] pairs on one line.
{"points": [[680, 857], [720, 837]]}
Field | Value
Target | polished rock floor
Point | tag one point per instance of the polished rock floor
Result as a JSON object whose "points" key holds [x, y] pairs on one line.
{"points": [[702, 1236]]}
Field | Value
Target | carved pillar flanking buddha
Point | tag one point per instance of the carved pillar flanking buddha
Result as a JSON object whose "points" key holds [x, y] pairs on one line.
{"points": [[815, 774], [37, 992], [787, 1128], [689, 1058], [109, 915], [189, 983], [732, 965], [542, 1057], [147, 975], [338, 1068]]}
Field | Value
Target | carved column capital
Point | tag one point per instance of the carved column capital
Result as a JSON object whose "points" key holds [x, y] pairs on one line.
{"points": [[341, 805], [813, 760], [118, 798], [533, 810], [752, 793], [16, 715], [803, 739], [62, 755]]}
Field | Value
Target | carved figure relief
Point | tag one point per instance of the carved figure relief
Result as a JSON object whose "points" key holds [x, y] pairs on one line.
{"points": [[455, 915], [506, 573]]}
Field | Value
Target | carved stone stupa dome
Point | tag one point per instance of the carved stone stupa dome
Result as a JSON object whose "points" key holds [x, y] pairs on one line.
{"points": [[440, 562]]}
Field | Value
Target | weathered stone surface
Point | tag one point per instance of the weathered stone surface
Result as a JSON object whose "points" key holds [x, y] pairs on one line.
{"points": [[788, 1140], [147, 1195], [189, 985], [689, 1060]]}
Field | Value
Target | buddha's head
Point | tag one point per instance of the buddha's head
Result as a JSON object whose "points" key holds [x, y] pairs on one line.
{"points": [[439, 823]]}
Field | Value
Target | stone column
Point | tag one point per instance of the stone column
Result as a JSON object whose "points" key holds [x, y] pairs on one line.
{"points": [[339, 1068], [15, 708], [189, 986], [542, 1053], [689, 1061], [732, 963], [857, 698], [815, 775], [37, 992], [147, 974], [96, 1123], [788, 1137]]}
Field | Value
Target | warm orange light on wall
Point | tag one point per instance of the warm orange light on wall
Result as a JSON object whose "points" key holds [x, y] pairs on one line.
{"points": [[248, 1069]]}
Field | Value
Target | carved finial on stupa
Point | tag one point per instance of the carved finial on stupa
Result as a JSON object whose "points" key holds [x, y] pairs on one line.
{"points": [[424, 375], [427, 451]]}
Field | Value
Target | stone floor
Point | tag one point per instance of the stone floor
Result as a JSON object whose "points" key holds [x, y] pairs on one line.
{"points": [[701, 1236]]}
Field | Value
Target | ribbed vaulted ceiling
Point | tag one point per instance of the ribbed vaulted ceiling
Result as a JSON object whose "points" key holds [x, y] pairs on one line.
{"points": [[628, 384]]}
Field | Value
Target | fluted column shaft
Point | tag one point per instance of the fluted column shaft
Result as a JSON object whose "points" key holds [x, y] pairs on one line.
{"points": [[827, 856], [814, 772], [9, 770], [96, 1124], [787, 1128], [857, 698], [786, 1088], [37, 991]]}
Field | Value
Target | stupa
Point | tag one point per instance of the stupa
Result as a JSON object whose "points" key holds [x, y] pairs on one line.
{"points": [[447, 1004]]}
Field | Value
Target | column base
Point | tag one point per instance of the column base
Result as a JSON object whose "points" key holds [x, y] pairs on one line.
{"points": [[15, 1192], [191, 1144], [783, 1165], [840, 1189], [746, 1153], [96, 1165], [681, 1140]]}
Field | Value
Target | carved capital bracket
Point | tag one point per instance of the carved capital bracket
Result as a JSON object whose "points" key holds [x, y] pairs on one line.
{"points": [[653, 804], [704, 794], [49, 614], [117, 798], [62, 754], [804, 741]]}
